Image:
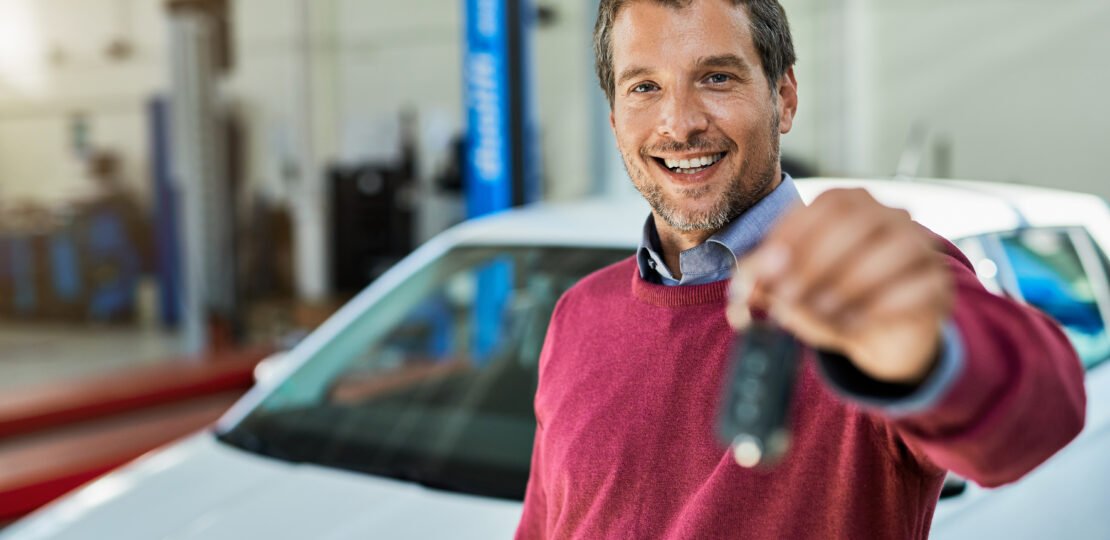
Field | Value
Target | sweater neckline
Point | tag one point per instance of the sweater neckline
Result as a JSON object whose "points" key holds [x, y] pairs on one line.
{"points": [[679, 295]]}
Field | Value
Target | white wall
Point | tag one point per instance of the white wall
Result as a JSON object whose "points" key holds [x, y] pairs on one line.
{"points": [[565, 88], [1015, 89], [1019, 87], [369, 59], [55, 65]]}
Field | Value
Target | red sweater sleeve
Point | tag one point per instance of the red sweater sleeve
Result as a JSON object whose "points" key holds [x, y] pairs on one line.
{"points": [[1019, 398]]}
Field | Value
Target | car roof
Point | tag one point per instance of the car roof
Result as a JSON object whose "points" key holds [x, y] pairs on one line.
{"points": [[952, 208], [597, 222]]}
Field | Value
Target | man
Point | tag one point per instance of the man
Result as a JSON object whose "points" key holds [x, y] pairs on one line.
{"points": [[911, 368]]}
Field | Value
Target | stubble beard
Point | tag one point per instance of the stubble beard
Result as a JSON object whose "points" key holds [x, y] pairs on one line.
{"points": [[744, 190]]}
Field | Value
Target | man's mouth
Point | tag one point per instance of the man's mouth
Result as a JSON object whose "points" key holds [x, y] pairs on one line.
{"points": [[692, 165]]}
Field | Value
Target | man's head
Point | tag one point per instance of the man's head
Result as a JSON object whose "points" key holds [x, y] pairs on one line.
{"points": [[699, 92]]}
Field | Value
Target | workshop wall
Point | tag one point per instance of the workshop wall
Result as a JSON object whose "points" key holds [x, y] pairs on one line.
{"points": [[368, 61], [1007, 91], [1000, 90], [58, 63], [1016, 90]]}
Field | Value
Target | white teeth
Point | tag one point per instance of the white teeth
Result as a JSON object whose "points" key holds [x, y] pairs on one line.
{"points": [[685, 165]]}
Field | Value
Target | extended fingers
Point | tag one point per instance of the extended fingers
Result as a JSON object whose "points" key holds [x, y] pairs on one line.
{"points": [[841, 264], [912, 296], [888, 260]]}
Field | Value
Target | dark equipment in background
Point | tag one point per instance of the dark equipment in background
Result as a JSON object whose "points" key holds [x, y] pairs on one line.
{"points": [[167, 210], [7, 276], [373, 214], [372, 223], [78, 262], [797, 168], [82, 271], [449, 178]]}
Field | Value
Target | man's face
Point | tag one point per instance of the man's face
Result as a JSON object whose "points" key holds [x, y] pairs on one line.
{"points": [[694, 117]]}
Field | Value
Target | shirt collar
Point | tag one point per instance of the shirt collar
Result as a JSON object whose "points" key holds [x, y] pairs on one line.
{"points": [[714, 259]]}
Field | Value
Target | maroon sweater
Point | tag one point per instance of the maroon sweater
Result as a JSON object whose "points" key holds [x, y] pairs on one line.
{"points": [[630, 376]]}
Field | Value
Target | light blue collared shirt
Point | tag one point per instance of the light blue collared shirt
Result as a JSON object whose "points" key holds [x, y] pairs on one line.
{"points": [[715, 259]]}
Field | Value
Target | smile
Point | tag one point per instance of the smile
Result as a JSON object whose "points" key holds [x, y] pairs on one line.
{"points": [[691, 165]]}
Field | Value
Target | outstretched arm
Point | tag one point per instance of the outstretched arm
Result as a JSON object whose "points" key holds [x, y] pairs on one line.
{"points": [[900, 314]]}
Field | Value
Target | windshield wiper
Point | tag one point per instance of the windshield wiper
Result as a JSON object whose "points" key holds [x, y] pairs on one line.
{"points": [[419, 476], [251, 442]]}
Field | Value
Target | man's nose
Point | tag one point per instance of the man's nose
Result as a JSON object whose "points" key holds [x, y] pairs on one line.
{"points": [[683, 116]]}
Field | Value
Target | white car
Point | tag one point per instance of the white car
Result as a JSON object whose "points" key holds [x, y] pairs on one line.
{"points": [[409, 413]]}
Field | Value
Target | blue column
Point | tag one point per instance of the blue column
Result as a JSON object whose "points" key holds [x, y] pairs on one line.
{"points": [[502, 158], [486, 73]]}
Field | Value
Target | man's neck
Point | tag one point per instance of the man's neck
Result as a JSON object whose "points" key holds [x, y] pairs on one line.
{"points": [[672, 243]]}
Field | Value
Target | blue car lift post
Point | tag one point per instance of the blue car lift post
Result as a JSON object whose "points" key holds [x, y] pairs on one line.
{"points": [[502, 158]]}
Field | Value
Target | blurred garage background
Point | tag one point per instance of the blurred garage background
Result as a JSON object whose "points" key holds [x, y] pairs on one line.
{"points": [[189, 185]]}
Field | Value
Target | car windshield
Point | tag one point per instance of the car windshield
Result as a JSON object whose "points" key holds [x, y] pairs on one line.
{"points": [[434, 382]]}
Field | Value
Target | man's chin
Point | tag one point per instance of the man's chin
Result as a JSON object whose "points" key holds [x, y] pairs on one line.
{"points": [[686, 209], [691, 220]]}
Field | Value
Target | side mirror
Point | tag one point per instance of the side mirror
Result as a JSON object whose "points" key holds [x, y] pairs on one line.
{"points": [[268, 367], [953, 486]]}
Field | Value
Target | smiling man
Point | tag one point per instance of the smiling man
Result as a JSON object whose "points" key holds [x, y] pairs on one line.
{"points": [[911, 368]]}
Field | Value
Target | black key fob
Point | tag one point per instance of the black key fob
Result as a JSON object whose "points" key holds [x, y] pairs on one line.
{"points": [[753, 417]]}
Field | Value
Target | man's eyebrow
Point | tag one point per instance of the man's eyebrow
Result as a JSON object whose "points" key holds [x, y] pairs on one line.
{"points": [[730, 61], [725, 61], [632, 72]]}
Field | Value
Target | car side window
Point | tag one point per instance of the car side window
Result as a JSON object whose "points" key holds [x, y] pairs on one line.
{"points": [[1060, 271]]}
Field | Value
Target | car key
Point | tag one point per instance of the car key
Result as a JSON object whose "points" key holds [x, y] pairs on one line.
{"points": [[752, 420]]}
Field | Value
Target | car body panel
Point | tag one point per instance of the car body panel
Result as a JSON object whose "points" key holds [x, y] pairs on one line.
{"points": [[201, 488], [950, 211], [1044, 207]]}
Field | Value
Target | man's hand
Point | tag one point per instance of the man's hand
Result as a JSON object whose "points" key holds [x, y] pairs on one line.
{"points": [[849, 275]]}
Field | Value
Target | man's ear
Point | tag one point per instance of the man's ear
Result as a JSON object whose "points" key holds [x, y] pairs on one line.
{"points": [[612, 121], [787, 100]]}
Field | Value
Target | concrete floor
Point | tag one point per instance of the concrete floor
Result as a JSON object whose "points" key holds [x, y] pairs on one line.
{"points": [[34, 354]]}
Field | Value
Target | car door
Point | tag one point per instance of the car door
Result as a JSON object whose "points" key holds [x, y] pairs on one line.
{"points": [[1063, 272]]}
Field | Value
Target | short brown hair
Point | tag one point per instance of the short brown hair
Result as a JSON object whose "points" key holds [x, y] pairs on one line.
{"points": [[770, 31]]}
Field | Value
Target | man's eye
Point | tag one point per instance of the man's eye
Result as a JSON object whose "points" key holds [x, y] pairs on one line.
{"points": [[718, 78], [643, 87]]}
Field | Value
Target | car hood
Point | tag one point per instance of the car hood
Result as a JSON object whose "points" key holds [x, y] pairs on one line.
{"points": [[202, 488]]}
